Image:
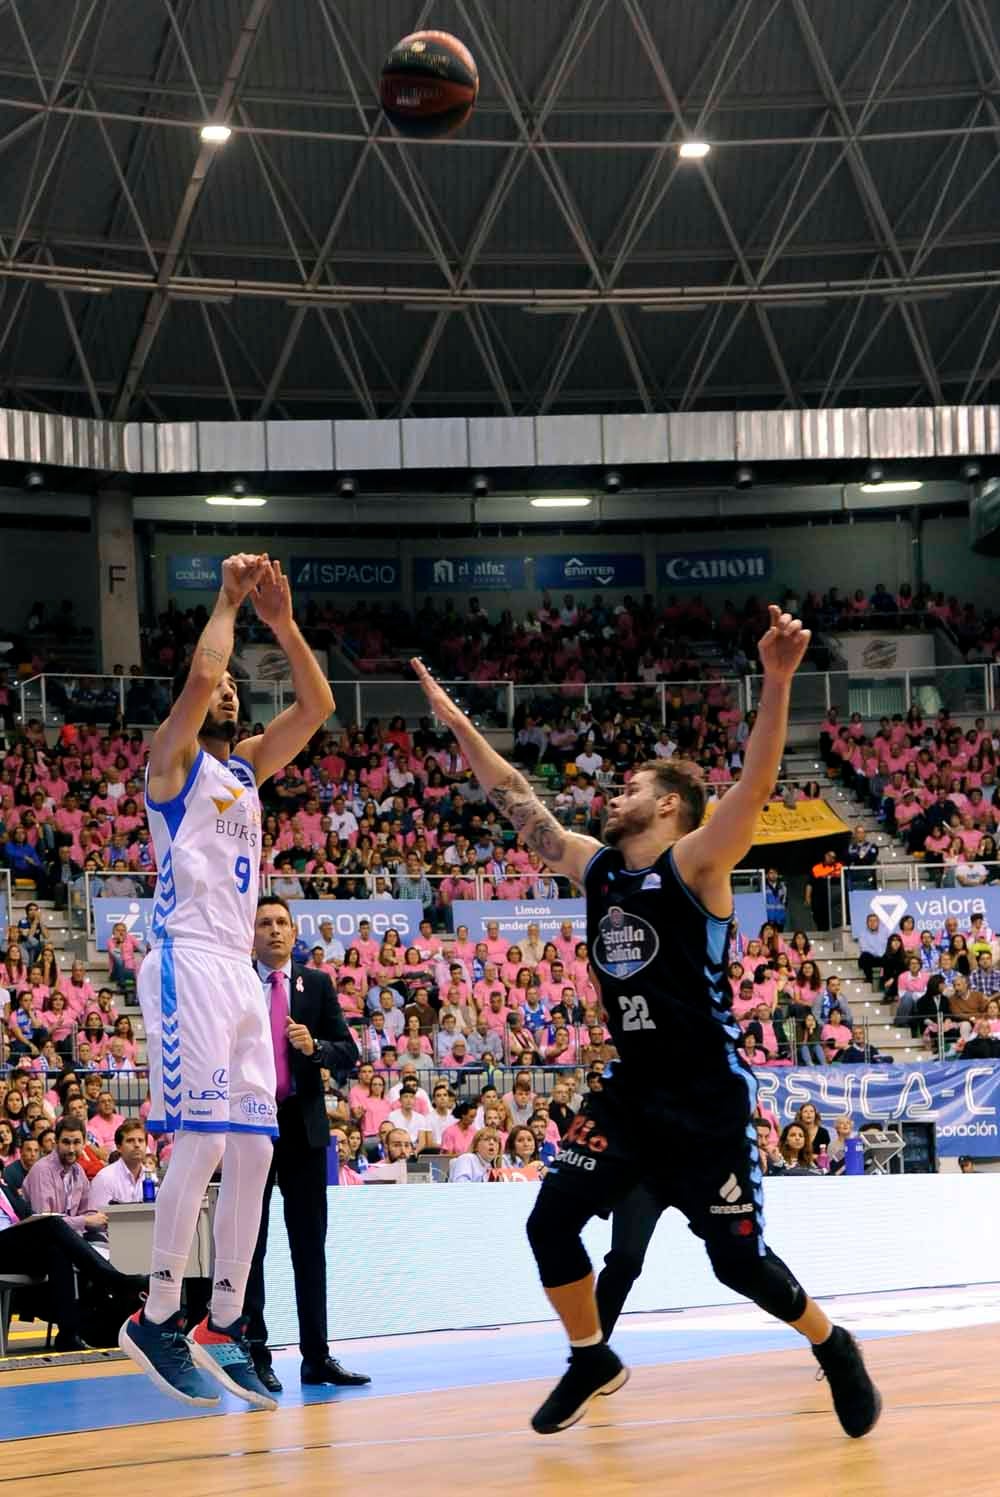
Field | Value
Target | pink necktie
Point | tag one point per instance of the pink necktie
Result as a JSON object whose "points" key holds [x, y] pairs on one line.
{"points": [[279, 1018], [8, 1210]]}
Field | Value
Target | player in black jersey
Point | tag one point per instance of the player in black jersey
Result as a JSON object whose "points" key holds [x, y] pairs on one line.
{"points": [[659, 908]]}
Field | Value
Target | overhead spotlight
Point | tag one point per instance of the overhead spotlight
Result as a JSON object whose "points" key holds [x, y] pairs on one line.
{"points": [[215, 135], [694, 150], [971, 470], [874, 473], [743, 477], [34, 479], [239, 487], [347, 487], [480, 485], [613, 480]]}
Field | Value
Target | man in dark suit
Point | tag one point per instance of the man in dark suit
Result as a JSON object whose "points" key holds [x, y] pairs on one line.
{"points": [[309, 1035]]}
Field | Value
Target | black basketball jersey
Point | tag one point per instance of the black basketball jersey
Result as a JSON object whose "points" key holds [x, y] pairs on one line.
{"points": [[660, 960]]}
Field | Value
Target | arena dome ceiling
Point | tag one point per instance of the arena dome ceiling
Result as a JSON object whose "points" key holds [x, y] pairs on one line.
{"points": [[840, 245]]}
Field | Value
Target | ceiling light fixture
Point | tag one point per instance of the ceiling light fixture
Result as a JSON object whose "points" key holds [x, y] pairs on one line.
{"points": [[793, 303], [893, 486], [480, 485], [613, 480], [554, 309], [236, 501], [655, 308], [743, 477], [971, 470], [694, 150], [215, 135], [347, 487], [87, 288], [207, 298], [34, 479], [561, 501]]}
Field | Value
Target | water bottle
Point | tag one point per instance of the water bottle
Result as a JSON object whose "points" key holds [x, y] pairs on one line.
{"points": [[148, 1184], [823, 1161], [854, 1156]]}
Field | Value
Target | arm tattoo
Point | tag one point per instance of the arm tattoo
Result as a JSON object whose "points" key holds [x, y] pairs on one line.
{"points": [[217, 657], [536, 825]]}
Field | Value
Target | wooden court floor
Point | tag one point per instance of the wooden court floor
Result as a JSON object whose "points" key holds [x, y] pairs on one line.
{"points": [[748, 1425]]}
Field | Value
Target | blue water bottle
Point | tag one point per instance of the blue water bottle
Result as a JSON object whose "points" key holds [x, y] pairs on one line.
{"points": [[148, 1184], [854, 1156]]}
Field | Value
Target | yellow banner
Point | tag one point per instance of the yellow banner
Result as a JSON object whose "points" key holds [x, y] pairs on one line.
{"points": [[807, 818]]}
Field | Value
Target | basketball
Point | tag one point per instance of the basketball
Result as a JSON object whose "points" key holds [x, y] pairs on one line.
{"points": [[429, 84]]}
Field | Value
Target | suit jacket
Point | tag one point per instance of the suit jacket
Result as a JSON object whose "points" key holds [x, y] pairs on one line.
{"points": [[313, 1002]]}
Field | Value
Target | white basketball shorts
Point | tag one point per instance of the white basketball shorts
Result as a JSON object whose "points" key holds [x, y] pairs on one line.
{"points": [[208, 1037]]}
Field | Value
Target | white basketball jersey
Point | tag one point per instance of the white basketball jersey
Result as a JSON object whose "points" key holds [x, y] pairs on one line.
{"points": [[207, 842]]}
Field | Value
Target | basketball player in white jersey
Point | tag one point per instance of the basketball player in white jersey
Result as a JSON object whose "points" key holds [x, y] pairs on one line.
{"points": [[211, 1054]]}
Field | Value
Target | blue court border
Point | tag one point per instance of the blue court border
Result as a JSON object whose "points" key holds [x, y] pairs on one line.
{"points": [[436, 1363]]}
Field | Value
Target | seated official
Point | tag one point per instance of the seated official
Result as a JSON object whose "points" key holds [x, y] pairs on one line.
{"points": [[50, 1243]]}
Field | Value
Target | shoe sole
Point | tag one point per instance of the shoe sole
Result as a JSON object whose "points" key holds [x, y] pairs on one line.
{"points": [[618, 1381], [207, 1363], [875, 1419], [138, 1356]]}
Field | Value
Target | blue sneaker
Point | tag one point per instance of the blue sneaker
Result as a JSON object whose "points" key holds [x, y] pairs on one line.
{"points": [[163, 1353], [224, 1353]]}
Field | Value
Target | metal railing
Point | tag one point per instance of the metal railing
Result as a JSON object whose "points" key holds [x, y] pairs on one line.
{"points": [[144, 701], [962, 689]]}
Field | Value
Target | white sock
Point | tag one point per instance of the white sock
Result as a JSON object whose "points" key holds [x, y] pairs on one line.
{"points": [[594, 1340], [237, 1221], [193, 1161]]}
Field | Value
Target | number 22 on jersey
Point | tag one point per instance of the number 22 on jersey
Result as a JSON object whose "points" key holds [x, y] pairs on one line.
{"points": [[635, 1013]]}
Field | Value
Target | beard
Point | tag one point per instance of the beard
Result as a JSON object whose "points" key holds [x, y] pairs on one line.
{"points": [[221, 728], [626, 824]]}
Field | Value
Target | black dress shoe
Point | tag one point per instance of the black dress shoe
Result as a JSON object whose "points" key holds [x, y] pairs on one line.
{"points": [[330, 1371], [268, 1377]]}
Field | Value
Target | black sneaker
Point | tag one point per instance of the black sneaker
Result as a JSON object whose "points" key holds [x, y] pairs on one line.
{"points": [[856, 1399], [593, 1371]]}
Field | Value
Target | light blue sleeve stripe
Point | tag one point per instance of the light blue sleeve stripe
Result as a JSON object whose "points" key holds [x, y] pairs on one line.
{"points": [[172, 810]]}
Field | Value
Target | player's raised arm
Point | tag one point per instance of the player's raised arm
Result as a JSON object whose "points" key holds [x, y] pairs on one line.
{"points": [[175, 743], [564, 852], [288, 733], [706, 857]]}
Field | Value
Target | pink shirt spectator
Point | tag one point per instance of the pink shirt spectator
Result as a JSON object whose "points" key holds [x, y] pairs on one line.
{"points": [[374, 1110], [838, 1033], [456, 1140], [103, 1129]]}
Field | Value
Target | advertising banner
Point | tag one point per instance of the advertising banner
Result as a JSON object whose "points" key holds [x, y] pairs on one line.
{"points": [[930, 908], [403, 915], [201, 573], [515, 915], [590, 569], [467, 574], [887, 652], [349, 574], [708, 568], [799, 823], [269, 663], [135, 914], [962, 1098]]}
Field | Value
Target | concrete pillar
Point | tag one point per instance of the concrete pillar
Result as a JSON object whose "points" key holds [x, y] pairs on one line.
{"points": [[117, 582]]}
